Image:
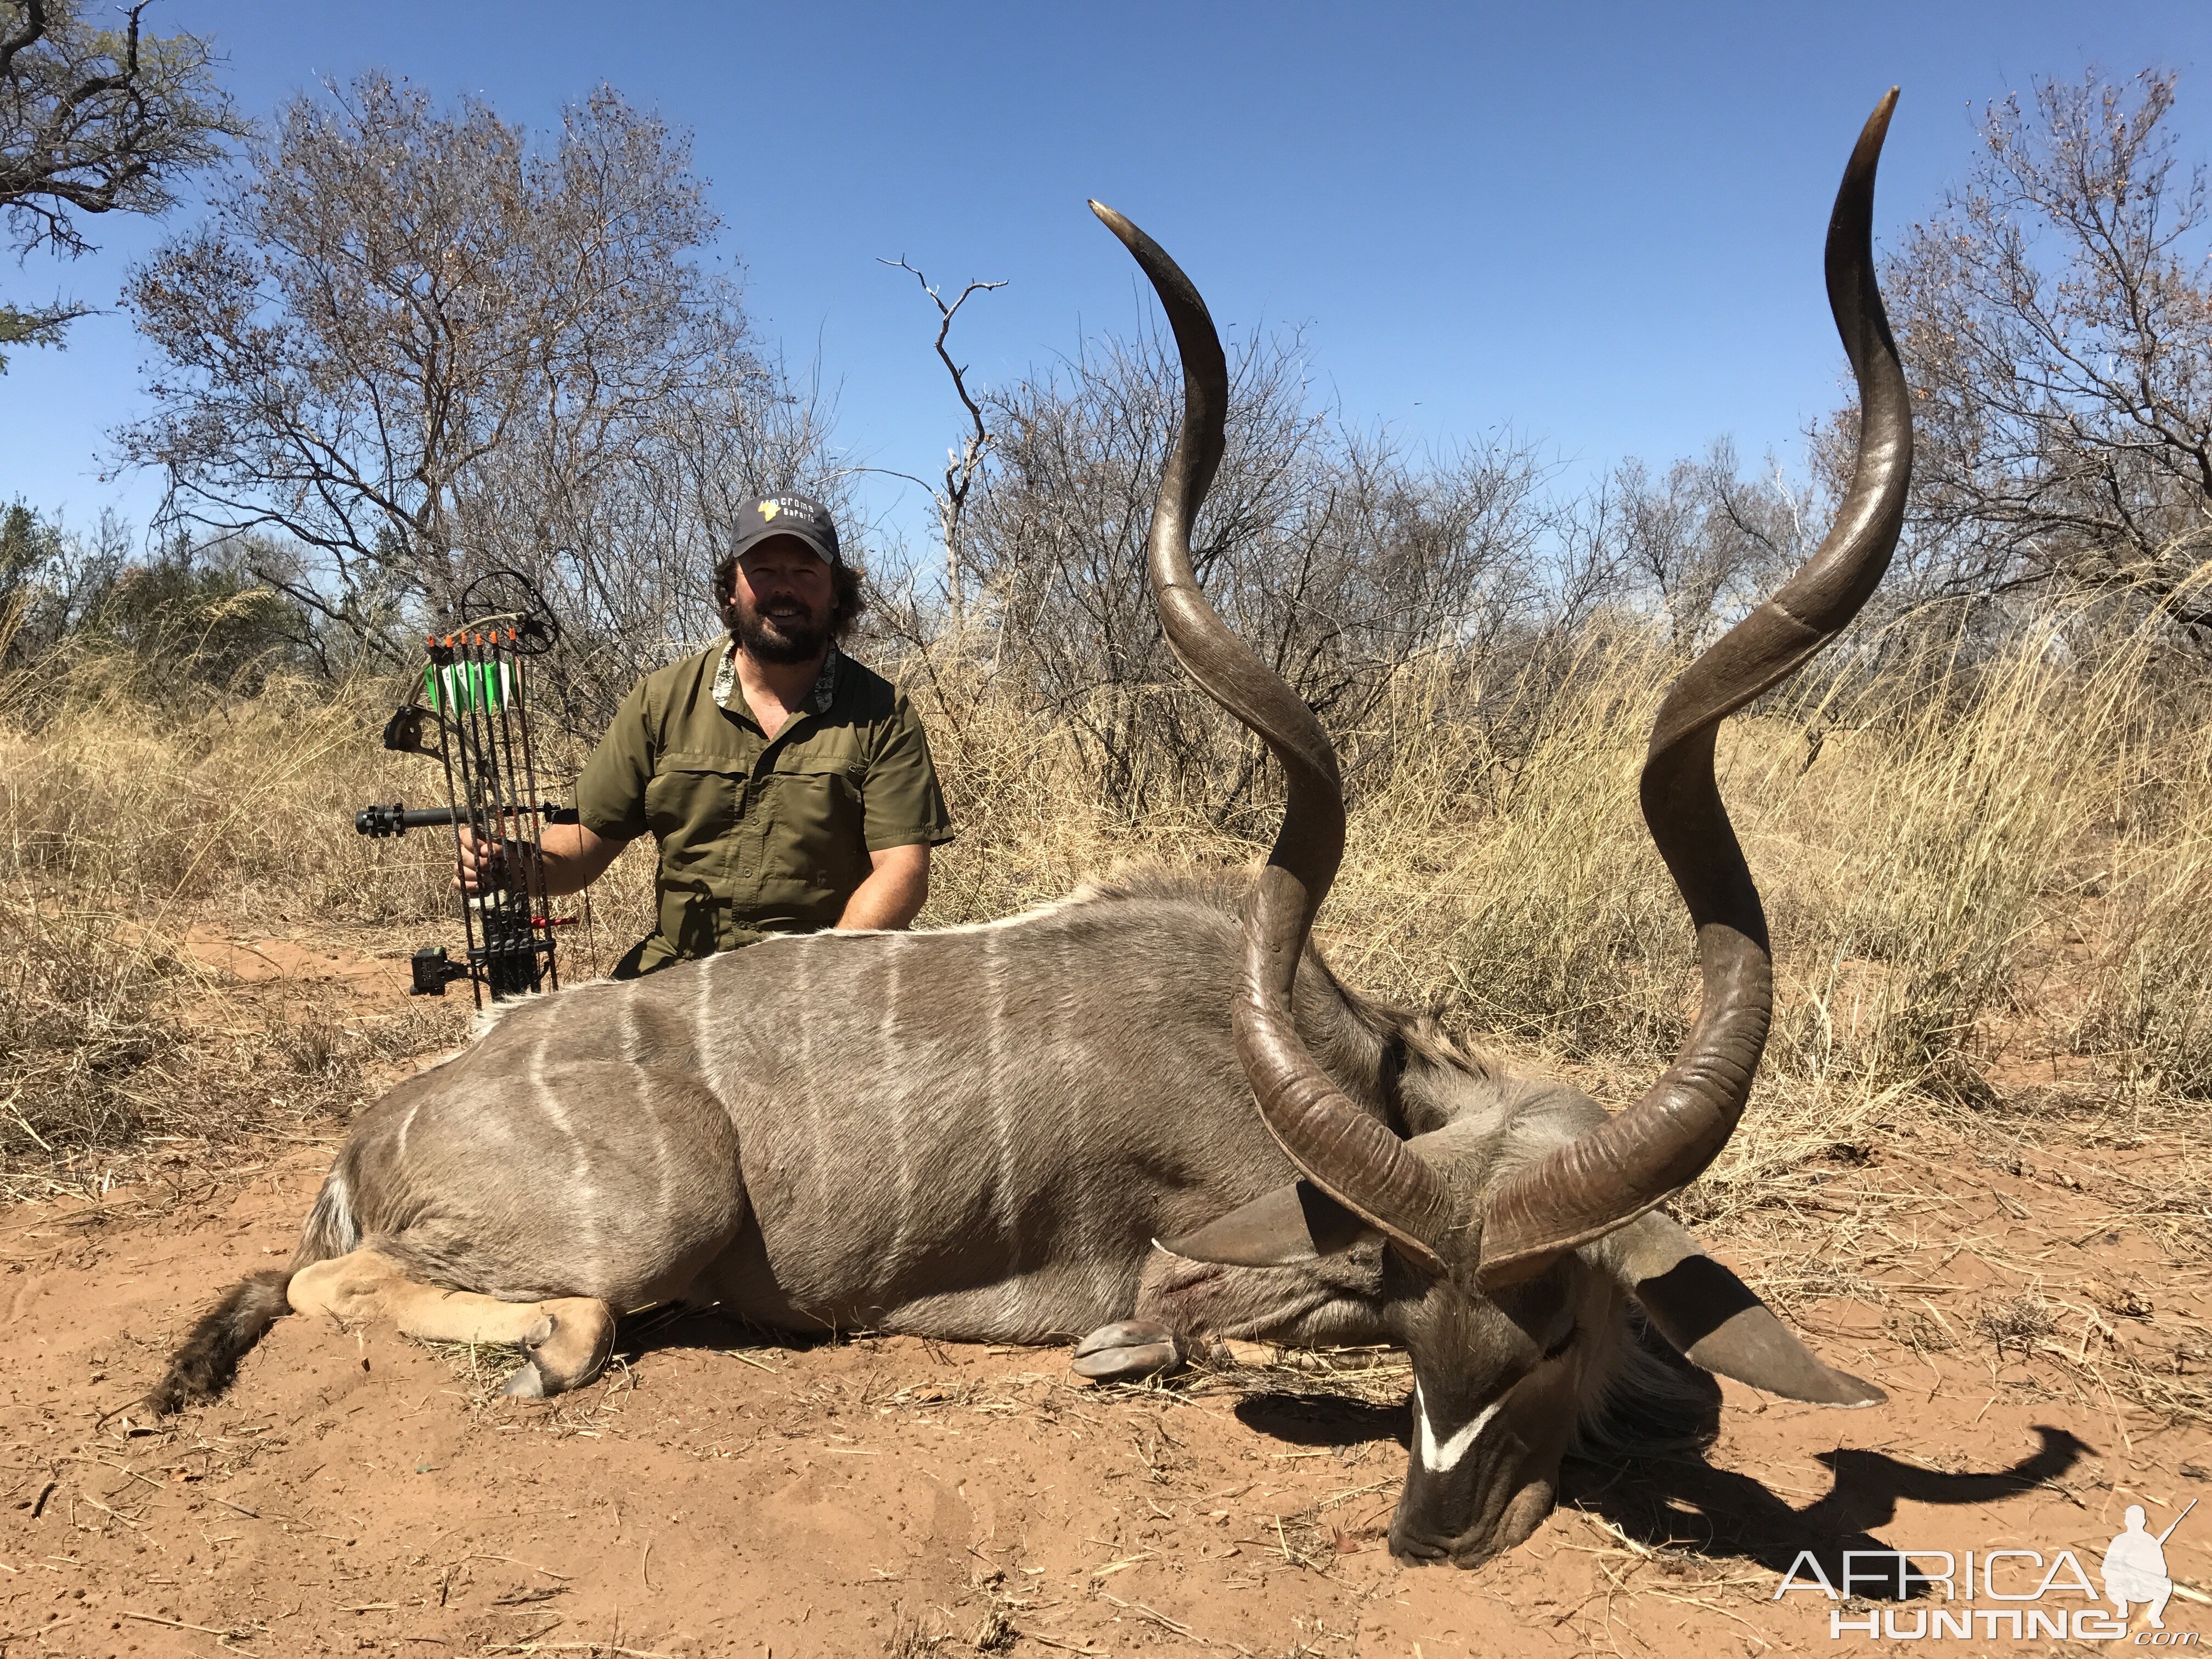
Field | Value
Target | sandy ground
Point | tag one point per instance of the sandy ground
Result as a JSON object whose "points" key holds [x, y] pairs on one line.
{"points": [[2039, 1315]]}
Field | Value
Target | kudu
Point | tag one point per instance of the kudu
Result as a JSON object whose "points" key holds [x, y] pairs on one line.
{"points": [[979, 1134]]}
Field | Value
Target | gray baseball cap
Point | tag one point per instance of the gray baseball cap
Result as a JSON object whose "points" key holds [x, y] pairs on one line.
{"points": [[788, 515]]}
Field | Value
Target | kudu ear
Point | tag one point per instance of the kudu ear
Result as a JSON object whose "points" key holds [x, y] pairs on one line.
{"points": [[1297, 1223], [1713, 1317]]}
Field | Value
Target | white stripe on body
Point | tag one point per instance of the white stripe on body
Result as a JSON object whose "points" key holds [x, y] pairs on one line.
{"points": [[893, 1070], [345, 1230], [1096, 1261], [1007, 1203], [1443, 1458], [582, 1194], [810, 1097], [664, 1180]]}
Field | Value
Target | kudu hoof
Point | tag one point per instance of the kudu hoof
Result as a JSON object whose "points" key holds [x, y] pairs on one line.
{"points": [[567, 1348], [1129, 1351], [525, 1384]]}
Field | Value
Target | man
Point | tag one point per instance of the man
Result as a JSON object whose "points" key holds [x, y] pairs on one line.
{"points": [[789, 788]]}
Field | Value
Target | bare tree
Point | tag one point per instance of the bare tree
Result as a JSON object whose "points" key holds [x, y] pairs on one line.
{"points": [[2056, 318], [413, 345], [1703, 542], [964, 463], [1341, 560], [94, 120], [625, 545]]}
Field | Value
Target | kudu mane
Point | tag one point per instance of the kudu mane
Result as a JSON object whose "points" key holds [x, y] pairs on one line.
{"points": [[1378, 1033]]}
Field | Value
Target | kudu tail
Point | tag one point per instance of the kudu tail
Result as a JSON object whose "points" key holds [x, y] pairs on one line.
{"points": [[207, 1359]]}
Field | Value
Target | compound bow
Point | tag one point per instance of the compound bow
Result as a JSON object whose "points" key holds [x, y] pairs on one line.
{"points": [[471, 713]]}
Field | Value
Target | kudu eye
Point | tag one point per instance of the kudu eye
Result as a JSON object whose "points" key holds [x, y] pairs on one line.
{"points": [[1563, 1342]]}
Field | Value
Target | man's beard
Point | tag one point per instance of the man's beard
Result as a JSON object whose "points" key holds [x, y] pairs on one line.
{"points": [[766, 639]]}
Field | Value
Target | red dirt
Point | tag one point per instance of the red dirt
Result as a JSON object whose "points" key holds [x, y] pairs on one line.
{"points": [[719, 1495]]}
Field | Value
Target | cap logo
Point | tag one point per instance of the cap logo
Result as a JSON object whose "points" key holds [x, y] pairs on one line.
{"points": [[769, 509]]}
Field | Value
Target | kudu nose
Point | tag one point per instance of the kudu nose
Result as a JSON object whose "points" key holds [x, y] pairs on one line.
{"points": [[1522, 1516], [1408, 1547]]}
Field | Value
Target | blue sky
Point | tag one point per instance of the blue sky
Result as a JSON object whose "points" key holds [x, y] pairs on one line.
{"points": [[1598, 225]]}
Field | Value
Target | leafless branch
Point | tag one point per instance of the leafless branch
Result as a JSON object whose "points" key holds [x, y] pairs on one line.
{"points": [[409, 347], [2056, 318], [964, 464]]}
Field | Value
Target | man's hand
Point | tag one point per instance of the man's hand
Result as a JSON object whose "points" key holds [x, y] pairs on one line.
{"points": [[570, 858], [894, 893], [482, 864]]}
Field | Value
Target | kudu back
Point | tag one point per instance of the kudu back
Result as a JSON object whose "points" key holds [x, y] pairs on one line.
{"points": [[980, 1132]]}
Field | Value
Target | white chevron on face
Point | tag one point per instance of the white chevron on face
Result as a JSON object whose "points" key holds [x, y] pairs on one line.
{"points": [[1441, 1459]]}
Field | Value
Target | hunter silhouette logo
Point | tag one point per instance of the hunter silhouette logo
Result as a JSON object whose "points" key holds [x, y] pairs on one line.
{"points": [[2134, 1569], [769, 509]]}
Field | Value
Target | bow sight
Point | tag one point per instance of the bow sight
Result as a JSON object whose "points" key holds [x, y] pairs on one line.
{"points": [[471, 712]]}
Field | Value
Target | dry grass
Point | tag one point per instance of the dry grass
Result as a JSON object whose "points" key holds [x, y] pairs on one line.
{"points": [[1998, 868], [1979, 865], [125, 824]]}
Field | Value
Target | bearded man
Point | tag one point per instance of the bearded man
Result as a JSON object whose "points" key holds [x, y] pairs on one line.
{"points": [[789, 787]]}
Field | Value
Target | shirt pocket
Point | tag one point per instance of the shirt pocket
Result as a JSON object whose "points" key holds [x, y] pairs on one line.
{"points": [[695, 798], [815, 826]]}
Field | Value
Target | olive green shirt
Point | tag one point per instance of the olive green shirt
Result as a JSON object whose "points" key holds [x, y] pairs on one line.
{"points": [[759, 835]]}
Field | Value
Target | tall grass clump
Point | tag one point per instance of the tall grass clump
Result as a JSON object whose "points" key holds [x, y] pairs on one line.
{"points": [[2145, 877], [133, 811], [1964, 857], [85, 1056], [1927, 864], [1507, 867], [1972, 854]]}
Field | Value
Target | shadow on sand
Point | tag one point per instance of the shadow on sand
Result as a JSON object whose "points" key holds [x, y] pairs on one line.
{"points": [[1324, 1419], [1670, 1498], [1676, 1499], [670, 1325], [1682, 1501]]}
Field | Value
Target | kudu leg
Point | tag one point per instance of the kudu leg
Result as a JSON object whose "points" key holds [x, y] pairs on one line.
{"points": [[568, 1338], [1129, 1351], [1191, 1311], [528, 1216]]}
